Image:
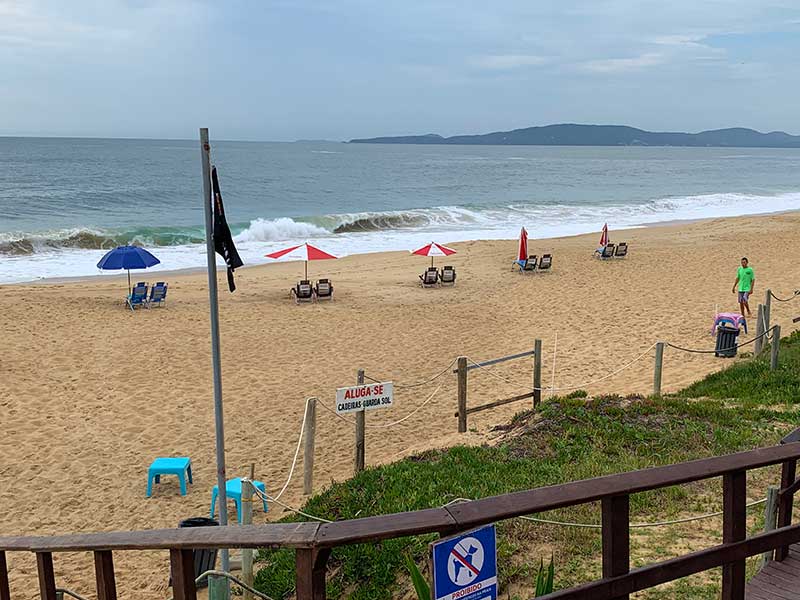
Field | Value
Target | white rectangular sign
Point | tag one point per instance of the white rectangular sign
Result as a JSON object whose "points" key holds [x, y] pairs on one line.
{"points": [[364, 397]]}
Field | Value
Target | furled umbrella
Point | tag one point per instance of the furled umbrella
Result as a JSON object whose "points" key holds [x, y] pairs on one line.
{"points": [[604, 236], [522, 254], [127, 257], [433, 249], [304, 252]]}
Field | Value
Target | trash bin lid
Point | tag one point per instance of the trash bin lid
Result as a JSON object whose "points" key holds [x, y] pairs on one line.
{"points": [[198, 522]]}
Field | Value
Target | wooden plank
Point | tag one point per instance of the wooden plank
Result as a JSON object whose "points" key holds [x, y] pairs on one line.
{"points": [[5, 593], [616, 537], [537, 372], [310, 568], [677, 568], [496, 403], [734, 529], [104, 575], [386, 526], [274, 535], [182, 564], [47, 578], [495, 361], [786, 501]]}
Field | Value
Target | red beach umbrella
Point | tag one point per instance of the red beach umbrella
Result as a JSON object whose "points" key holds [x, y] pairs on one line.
{"points": [[522, 255], [304, 252], [433, 249], [604, 236]]}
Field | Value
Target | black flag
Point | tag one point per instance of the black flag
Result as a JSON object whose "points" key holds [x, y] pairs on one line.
{"points": [[223, 241]]}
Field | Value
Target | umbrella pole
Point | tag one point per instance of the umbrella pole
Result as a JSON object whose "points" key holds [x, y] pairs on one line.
{"points": [[306, 270], [130, 291], [431, 261]]}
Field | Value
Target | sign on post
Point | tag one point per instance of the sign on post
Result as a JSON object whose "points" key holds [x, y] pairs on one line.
{"points": [[364, 397], [465, 566]]}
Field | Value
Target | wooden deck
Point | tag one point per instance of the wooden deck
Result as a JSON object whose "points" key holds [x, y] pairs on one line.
{"points": [[778, 580]]}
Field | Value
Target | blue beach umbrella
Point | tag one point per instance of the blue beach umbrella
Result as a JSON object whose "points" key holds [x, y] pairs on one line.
{"points": [[127, 257]]}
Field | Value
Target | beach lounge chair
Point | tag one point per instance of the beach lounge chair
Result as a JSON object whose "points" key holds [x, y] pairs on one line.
{"points": [[158, 295], [448, 276], [430, 277], [622, 250], [324, 290], [303, 292], [546, 262], [137, 297], [528, 265], [605, 252]]}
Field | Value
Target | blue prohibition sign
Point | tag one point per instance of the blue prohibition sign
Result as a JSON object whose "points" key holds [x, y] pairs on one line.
{"points": [[465, 566]]}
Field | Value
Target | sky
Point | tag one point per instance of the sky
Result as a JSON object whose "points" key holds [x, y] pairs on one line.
{"points": [[338, 69]]}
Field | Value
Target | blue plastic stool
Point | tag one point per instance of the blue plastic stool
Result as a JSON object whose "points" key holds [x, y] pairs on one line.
{"points": [[181, 466], [233, 490]]}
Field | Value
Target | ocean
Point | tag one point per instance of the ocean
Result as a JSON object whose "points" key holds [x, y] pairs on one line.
{"points": [[64, 202]]}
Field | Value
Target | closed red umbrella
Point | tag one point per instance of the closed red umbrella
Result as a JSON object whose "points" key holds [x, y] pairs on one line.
{"points": [[522, 255], [305, 252], [433, 249], [604, 236]]}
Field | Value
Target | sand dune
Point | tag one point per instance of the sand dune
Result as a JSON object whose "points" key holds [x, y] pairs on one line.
{"points": [[92, 392]]}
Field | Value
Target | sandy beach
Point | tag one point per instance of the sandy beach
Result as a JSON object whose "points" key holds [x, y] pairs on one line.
{"points": [[92, 392]]}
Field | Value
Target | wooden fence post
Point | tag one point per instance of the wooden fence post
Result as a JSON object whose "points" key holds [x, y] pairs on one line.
{"points": [[247, 519], [734, 529], [47, 578], [658, 369], [616, 537], [104, 575], [5, 589], [785, 503], [182, 564], [462, 394], [767, 309], [537, 372], [775, 348], [308, 448], [310, 567], [770, 518], [361, 424], [759, 345]]}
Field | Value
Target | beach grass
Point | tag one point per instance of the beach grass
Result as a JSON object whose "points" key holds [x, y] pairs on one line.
{"points": [[567, 439]]}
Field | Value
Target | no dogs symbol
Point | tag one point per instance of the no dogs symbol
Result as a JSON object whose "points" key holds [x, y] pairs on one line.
{"points": [[465, 561]]}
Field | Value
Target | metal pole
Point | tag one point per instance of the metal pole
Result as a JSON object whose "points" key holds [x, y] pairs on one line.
{"points": [[247, 519], [657, 372], [361, 426], [213, 305]]}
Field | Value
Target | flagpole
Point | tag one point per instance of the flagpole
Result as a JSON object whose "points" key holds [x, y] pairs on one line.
{"points": [[213, 302]]}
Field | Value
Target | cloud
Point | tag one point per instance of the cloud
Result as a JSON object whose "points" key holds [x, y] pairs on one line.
{"points": [[504, 62], [621, 65]]}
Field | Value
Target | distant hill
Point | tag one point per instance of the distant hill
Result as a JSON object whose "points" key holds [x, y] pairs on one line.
{"points": [[603, 135]]}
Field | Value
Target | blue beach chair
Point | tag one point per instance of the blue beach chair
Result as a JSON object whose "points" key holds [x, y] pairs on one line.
{"points": [[527, 265], [158, 295], [138, 297]]}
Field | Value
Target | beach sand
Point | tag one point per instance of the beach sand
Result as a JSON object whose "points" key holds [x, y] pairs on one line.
{"points": [[92, 392]]}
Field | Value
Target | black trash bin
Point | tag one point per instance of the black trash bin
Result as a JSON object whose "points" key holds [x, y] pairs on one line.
{"points": [[727, 340], [204, 559]]}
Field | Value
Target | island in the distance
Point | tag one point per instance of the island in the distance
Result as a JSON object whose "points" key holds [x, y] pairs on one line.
{"points": [[603, 135]]}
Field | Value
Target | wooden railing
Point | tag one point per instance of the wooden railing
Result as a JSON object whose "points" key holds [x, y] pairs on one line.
{"points": [[313, 542]]}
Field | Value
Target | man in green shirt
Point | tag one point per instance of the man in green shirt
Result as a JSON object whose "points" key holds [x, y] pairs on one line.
{"points": [[746, 280]]}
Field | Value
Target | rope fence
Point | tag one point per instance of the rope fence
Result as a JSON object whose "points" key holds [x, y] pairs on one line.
{"points": [[792, 297]]}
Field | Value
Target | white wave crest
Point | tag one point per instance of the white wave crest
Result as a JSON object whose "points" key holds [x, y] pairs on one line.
{"points": [[274, 230]]}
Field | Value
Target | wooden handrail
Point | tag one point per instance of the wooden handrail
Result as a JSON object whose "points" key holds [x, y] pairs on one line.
{"points": [[314, 541], [676, 568], [447, 519]]}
